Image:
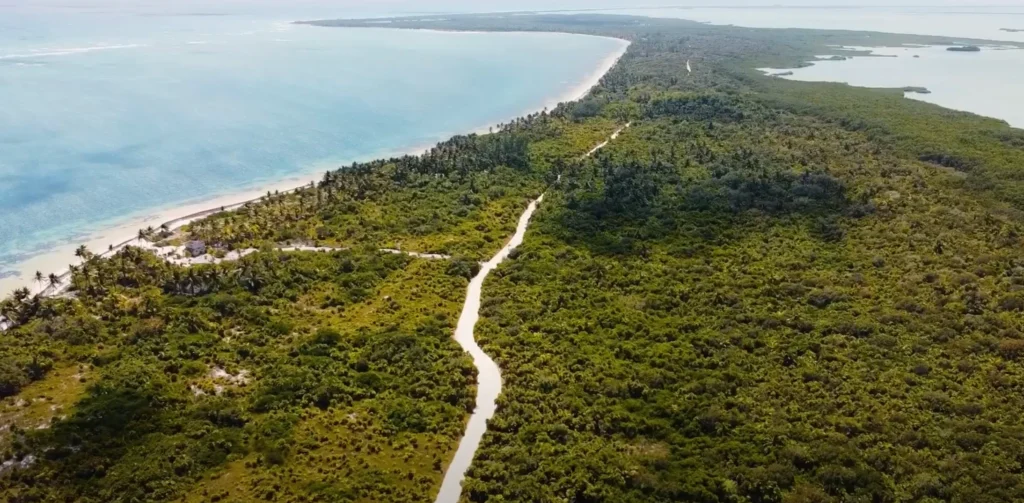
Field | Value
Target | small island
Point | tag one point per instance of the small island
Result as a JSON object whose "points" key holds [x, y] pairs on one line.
{"points": [[1012, 30], [833, 58], [964, 48], [915, 89]]}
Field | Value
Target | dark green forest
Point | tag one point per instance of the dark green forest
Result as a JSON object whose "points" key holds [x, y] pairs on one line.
{"points": [[763, 291]]}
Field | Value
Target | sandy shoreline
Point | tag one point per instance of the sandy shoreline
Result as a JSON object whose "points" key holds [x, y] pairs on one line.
{"points": [[57, 259]]}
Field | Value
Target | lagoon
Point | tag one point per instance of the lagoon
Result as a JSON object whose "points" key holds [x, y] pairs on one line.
{"points": [[985, 83], [962, 21]]}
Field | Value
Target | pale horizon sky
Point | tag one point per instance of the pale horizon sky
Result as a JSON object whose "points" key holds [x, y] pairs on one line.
{"points": [[410, 6], [305, 10]]}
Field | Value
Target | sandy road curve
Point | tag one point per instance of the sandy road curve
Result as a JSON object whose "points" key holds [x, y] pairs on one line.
{"points": [[488, 373]]}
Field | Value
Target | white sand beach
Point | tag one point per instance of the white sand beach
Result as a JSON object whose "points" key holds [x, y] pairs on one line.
{"points": [[582, 89], [56, 260]]}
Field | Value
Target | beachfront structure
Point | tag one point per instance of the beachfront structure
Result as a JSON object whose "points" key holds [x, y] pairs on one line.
{"points": [[195, 248]]}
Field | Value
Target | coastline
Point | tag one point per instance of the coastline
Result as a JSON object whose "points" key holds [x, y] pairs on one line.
{"points": [[123, 233], [583, 88], [922, 73]]}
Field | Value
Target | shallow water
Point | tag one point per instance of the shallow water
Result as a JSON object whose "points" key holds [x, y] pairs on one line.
{"points": [[107, 115], [967, 21], [985, 83]]}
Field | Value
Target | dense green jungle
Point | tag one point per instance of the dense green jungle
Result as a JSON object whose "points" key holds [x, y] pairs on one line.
{"points": [[762, 291]]}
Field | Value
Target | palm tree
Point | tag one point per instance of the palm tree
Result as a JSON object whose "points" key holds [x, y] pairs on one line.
{"points": [[39, 279], [86, 277], [176, 279], [190, 281], [83, 253], [21, 294], [54, 281]]}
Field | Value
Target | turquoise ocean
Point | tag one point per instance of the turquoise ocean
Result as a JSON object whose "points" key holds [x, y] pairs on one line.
{"points": [[108, 113]]}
